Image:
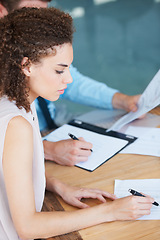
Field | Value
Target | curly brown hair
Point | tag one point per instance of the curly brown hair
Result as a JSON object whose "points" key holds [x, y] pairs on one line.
{"points": [[10, 5], [28, 32]]}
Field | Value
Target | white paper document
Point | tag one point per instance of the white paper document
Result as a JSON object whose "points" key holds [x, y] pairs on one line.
{"points": [[148, 100], [147, 186], [148, 142], [104, 147], [106, 119]]}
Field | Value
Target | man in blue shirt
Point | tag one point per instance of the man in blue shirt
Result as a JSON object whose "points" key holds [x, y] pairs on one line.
{"points": [[82, 90]]}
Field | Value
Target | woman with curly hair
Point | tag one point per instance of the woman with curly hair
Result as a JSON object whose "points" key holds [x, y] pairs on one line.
{"points": [[35, 55], [83, 90]]}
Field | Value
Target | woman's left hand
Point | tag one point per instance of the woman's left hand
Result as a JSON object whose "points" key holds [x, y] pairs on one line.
{"points": [[73, 195]]}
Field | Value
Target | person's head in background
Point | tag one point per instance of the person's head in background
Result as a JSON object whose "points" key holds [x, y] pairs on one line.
{"points": [[6, 6], [35, 54]]}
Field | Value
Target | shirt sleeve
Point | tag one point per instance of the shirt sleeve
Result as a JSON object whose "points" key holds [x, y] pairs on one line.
{"points": [[85, 90]]}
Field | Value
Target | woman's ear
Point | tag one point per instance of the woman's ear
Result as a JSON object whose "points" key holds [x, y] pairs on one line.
{"points": [[3, 11], [26, 66]]}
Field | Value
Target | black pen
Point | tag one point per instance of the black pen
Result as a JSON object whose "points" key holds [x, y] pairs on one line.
{"points": [[133, 192], [75, 138]]}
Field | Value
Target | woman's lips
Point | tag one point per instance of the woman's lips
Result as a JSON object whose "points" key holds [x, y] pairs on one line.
{"points": [[61, 91]]}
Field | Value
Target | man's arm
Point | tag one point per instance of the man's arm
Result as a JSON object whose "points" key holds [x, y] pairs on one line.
{"points": [[85, 90]]}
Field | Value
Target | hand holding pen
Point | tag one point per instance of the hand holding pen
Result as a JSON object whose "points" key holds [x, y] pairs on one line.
{"points": [[75, 138], [135, 193]]}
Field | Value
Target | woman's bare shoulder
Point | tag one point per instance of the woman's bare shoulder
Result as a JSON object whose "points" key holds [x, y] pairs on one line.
{"points": [[18, 130]]}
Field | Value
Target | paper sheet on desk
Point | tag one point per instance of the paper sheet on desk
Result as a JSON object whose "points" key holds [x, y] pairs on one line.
{"points": [[104, 147], [148, 100], [147, 186], [148, 142]]}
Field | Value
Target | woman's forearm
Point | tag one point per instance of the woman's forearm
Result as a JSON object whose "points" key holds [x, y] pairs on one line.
{"points": [[47, 224]]}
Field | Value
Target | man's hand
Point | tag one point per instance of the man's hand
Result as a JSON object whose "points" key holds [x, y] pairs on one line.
{"points": [[67, 152], [125, 102]]}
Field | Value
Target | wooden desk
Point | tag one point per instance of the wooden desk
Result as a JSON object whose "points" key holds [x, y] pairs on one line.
{"points": [[121, 166]]}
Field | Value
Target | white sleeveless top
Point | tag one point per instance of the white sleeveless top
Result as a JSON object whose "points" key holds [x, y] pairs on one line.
{"points": [[8, 110]]}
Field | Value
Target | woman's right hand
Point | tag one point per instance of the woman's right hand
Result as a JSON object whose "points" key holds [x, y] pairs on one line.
{"points": [[131, 207]]}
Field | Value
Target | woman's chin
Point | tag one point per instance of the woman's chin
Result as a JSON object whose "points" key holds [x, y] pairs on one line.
{"points": [[55, 98]]}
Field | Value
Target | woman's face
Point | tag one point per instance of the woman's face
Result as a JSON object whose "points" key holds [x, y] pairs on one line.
{"points": [[49, 77]]}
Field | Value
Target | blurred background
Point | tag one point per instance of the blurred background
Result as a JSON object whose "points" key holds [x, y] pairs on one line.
{"points": [[116, 42]]}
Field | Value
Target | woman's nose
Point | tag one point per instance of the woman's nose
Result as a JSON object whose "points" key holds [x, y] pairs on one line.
{"points": [[68, 78]]}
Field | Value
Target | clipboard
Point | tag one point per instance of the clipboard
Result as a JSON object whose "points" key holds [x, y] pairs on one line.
{"points": [[102, 131]]}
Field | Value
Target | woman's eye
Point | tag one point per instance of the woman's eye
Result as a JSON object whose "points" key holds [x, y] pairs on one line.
{"points": [[59, 72]]}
